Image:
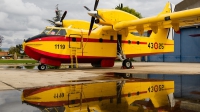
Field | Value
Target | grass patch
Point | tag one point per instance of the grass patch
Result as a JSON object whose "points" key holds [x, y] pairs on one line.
{"points": [[17, 61]]}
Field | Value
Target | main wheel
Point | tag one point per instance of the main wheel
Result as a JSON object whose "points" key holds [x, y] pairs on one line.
{"points": [[127, 63], [42, 67]]}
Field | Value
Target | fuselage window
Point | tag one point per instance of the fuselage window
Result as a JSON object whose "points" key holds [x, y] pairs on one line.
{"points": [[100, 40], [74, 39], [129, 42], [111, 38]]}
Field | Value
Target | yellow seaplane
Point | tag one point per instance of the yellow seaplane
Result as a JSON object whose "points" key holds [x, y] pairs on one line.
{"points": [[116, 95], [116, 34]]}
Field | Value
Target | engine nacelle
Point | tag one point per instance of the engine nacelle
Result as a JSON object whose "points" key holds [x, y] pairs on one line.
{"points": [[101, 22]]}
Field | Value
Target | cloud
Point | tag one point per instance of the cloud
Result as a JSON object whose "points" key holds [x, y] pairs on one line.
{"points": [[10, 101], [20, 8], [20, 19]]}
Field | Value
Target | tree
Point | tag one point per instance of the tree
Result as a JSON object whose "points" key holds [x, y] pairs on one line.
{"points": [[16, 49], [128, 10], [1, 50], [13, 50]]}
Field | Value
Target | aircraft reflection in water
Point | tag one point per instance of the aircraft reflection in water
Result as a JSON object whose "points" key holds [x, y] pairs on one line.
{"points": [[116, 95]]}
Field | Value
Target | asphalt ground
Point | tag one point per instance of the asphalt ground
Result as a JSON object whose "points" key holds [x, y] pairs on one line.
{"points": [[13, 78]]}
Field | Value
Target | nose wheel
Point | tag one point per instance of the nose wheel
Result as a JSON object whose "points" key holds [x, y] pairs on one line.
{"points": [[42, 67]]}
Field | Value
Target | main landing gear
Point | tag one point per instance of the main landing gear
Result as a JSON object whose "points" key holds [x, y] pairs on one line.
{"points": [[42, 67], [126, 63]]}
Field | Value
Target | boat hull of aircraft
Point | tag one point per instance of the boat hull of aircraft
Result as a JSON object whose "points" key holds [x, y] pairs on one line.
{"points": [[54, 50]]}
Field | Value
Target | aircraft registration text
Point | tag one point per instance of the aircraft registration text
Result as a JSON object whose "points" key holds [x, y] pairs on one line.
{"points": [[59, 46], [155, 45], [156, 88], [59, 95]]}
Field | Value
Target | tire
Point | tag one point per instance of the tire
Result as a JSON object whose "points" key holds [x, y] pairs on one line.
{"points": [[39, 67], [127, 75], [127, 64], [42, 67]]}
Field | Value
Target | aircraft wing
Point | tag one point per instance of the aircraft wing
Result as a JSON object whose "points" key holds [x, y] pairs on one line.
{"points": [[166, 20]]}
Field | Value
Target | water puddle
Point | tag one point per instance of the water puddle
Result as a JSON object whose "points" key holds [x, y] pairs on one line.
{"points": [[109, 92], [21, 67], [10, 101]]}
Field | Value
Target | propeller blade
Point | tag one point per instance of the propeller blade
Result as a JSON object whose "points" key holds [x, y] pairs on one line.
{"points": [[87, 8], [91, 25], [96, 4], [57, 18], [52, 22], [56, 12], [63, 16]]}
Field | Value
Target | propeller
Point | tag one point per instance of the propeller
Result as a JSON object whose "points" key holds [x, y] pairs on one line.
{"points": [[94, 15], [57, 21], [63, 16]]}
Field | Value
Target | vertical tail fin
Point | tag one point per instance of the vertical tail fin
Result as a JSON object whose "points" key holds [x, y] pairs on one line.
{"points": [[169, 8]]}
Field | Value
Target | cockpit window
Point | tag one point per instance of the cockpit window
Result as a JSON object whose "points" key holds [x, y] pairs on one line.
{"points": [[46, 31], [62, 32], [54, 31]]}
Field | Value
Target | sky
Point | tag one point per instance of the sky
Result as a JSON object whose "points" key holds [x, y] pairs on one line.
{"points": [[21, 19]]}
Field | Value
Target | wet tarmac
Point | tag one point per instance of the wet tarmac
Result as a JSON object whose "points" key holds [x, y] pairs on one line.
{"points": [[186, 89]]}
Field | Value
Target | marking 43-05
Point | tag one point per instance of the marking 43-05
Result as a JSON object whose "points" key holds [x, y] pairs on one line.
{"points": [[156, 45]]}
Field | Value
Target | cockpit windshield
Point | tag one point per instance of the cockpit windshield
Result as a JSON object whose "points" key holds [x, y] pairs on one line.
{"points": [[51, 31]]}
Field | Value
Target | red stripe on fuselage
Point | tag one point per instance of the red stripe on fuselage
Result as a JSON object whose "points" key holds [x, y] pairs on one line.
{"points": [[78, 39], [168, 44], [133, 42]]}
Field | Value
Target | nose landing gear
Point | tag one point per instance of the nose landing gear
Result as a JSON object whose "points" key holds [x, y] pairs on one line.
{"points": [[42, 67]]}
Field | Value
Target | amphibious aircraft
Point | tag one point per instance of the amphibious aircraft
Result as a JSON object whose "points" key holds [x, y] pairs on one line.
{"points": [[115, 34]]}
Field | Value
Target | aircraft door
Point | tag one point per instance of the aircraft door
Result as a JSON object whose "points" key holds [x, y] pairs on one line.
{"points": [[76, 41], [74, 99]]}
